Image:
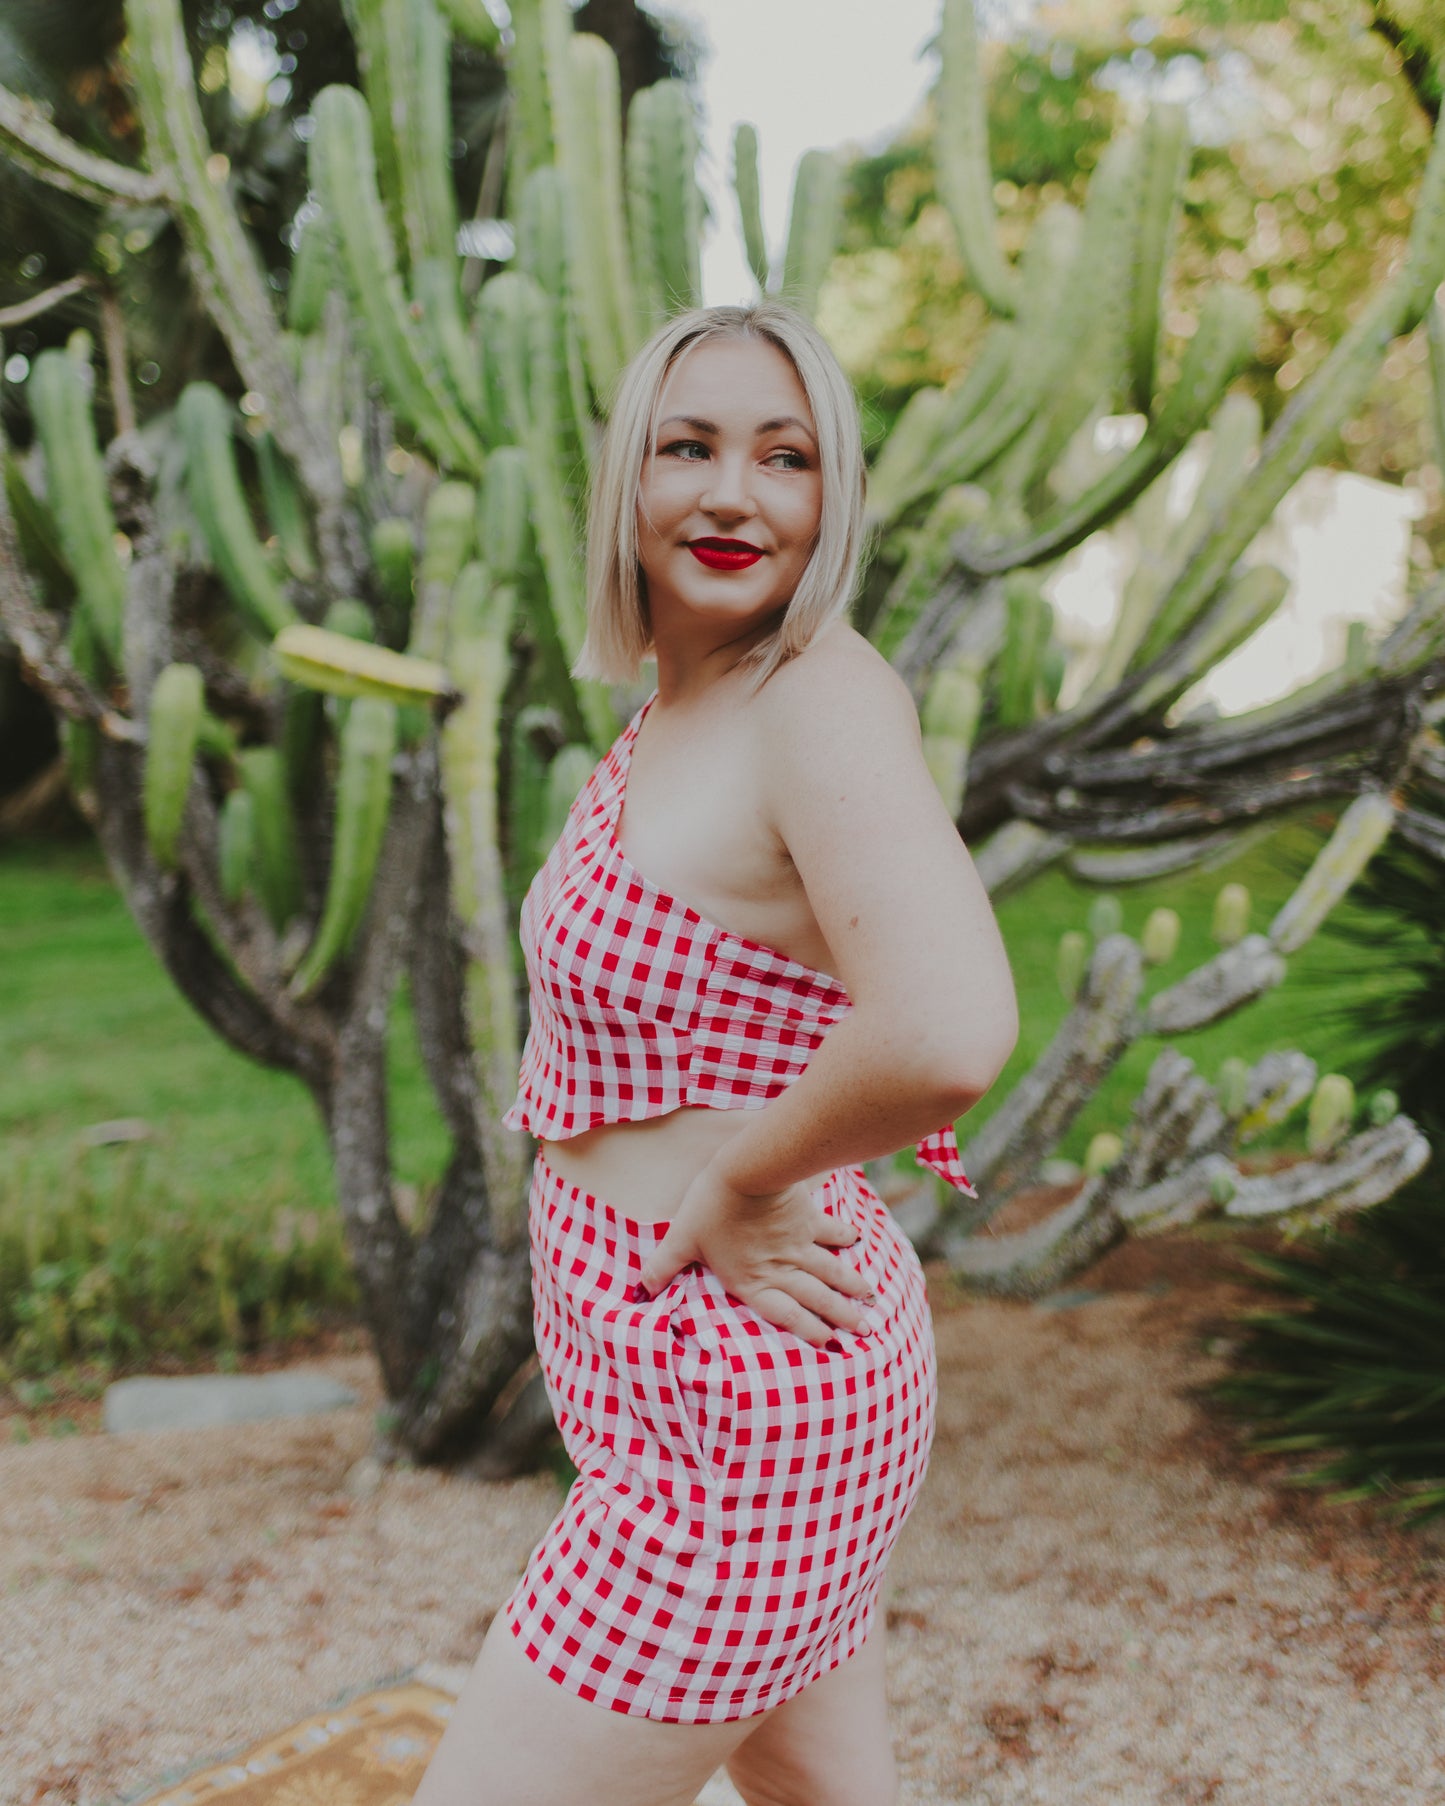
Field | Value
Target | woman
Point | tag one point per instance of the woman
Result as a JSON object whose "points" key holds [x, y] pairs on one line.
{"points": [[759, 956]]}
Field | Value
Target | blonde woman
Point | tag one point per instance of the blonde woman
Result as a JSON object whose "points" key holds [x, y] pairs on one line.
{"points": [[759, 956]]}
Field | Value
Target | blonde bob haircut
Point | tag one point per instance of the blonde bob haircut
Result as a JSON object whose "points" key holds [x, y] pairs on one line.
{"points": [[619, 635]]}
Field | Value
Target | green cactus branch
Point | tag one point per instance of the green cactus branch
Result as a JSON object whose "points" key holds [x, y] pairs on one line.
{"points": [[961, 150], [29, 139]]}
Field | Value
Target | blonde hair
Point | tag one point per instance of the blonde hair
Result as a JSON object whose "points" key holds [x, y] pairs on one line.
{"points": [[618, 636]]}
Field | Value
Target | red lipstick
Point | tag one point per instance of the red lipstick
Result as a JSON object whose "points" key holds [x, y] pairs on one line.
{"points": [[724, 554]]}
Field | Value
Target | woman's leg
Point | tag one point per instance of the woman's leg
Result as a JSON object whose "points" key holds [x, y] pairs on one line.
{"points": [[827, 1746], [516, 1738]]}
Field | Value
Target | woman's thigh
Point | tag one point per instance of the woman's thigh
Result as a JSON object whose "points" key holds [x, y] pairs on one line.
{"points": [[827, 1746], [515, 1738]]}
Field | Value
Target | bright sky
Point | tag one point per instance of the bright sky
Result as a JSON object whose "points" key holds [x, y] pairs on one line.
{"points": [[806, 73]]}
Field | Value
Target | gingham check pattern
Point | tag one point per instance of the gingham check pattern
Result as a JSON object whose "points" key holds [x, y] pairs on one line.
{"points": [[639, 1004], [738, 1490]]}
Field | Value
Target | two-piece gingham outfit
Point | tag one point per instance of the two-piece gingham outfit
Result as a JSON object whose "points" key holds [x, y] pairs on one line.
{"points": [[738, 1489]]}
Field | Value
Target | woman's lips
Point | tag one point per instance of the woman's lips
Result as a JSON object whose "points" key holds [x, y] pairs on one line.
{"points": [[724, 554]]}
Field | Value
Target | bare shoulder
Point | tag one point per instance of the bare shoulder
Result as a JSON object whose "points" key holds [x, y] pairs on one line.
{"points": [[839, 697]]}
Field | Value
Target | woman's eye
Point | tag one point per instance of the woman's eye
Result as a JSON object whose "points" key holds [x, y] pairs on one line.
{"points": [[687, 449], [792, 460]]}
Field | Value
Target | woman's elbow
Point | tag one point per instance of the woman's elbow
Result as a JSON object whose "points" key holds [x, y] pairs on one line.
{"points": [[966, 1068]]}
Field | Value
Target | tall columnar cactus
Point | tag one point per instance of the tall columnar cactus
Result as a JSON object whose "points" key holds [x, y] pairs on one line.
{"points": [[336, 723]]}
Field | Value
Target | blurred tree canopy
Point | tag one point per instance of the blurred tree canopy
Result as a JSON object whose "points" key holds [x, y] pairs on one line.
{"points": [[1310, 119]]}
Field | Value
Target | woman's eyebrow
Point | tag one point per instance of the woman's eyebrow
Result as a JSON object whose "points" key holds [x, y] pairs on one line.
{"points": [[766, 426]]}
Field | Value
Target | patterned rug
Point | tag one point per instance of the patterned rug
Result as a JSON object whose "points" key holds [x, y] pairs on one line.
{"points": [[369, 1750]]}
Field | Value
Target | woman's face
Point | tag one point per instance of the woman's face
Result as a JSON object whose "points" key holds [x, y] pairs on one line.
{"points": [[731, 493]]}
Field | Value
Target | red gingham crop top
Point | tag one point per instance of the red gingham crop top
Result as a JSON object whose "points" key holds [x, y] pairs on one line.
{"points": [[640, 1005]]}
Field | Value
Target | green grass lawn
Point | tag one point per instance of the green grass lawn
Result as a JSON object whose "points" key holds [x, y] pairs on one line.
{"points": [[91, 1029]]}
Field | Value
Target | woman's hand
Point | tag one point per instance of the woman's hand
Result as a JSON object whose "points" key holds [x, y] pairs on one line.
{"points": [[772, 1253]]}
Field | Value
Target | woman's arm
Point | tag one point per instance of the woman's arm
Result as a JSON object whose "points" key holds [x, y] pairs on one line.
{"points": [[903, 911], [915, 944]]}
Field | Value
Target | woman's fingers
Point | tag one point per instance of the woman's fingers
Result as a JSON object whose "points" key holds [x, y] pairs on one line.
{"points": [[821, 1299], [837, 1274], [784, 1311], [835, 1232]]}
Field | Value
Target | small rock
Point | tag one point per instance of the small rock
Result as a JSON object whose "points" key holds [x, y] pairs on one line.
{"points": [[199, 1401], [363, 1477], [122, 1128]]}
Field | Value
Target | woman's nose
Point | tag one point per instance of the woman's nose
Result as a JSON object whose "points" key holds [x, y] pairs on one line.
{"points": [[728, 490]]}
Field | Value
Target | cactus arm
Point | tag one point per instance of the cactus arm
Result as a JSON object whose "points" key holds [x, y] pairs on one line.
{"points": [[1359, 834], [30, 140], [748, 189], [530, 117], [670, 197], [76, 491], [1243, 607], [320, 658], [541, 219], [1141, 628], [1221, 344], [922, 571], [1234, 977], [310, 276], [1164, 163], [901, 473], [277, 855], [36, 532], [214, 486], [363, 801], [1319, 407], [343, 172], [814, 217], [1029, 623], [1435, 333], [173, 729], [1090, 1041], [478, 657], [949, 721], [225, 265], [583, 84], [642, 181], [470, 19], [285, 509], [965, 178]]}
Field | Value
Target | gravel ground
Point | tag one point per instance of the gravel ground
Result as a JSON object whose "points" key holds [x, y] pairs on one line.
{"points": [[1098, 1602]]}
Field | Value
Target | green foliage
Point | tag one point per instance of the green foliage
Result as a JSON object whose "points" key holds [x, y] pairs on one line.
{"points": [[1350, 1376]]}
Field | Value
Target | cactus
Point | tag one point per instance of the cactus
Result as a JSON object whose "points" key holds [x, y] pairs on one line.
{"points": [[422, 459], [276, 861], [345, 665], [236, 843], [748, 190], [1232, 1085], [1160, 939], [1332, 1110], [961, 151], [363, 797], [174, 722], [1103, 1152], [214, 486], [77, 495], [813, 221], [1106, 916], [1072, 962], [664, 201], [1231, 914]]}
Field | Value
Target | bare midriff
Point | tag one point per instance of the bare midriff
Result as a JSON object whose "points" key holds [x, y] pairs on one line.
{"points": [[644, 1168]]}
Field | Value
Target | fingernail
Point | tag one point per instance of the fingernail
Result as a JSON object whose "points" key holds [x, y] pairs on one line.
{"points": [[639, 1293], [867, 1327], [870, 1298]]}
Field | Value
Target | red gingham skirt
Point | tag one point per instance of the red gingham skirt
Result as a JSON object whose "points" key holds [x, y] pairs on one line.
{"points": [[738, 1490]]}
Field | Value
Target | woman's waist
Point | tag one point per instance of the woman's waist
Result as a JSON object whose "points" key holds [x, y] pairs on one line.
{"points": [[644, 1168]]}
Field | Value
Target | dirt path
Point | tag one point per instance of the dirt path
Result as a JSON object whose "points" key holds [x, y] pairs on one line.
{"points": [[1097, 1603]]}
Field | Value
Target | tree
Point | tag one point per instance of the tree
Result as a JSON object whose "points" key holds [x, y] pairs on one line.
{"points": [[332, 747]]}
